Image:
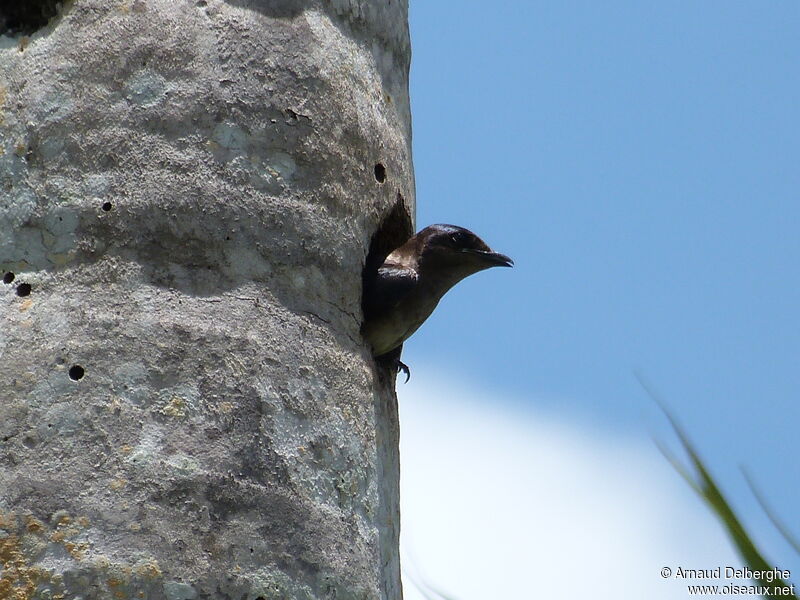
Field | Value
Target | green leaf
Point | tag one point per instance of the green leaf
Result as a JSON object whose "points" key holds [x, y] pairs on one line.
{"points": [[704, 484]]}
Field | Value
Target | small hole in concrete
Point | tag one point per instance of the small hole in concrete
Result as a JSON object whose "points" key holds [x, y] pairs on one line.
{"points": [[8, 277], [28, 442], [76, 372], [24, 289], [380, 173], [106, 206]]}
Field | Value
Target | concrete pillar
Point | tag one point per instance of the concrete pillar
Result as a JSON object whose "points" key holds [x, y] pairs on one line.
{"points": [[188, 192]]}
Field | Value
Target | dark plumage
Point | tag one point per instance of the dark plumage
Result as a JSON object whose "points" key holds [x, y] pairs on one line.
{"points": [[415, 276]]}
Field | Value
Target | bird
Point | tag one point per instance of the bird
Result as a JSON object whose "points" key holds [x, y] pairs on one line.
{"points": [[406, 288]]}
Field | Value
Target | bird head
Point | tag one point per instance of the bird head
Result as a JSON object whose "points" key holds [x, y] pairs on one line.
{"points": [[453, 249]]}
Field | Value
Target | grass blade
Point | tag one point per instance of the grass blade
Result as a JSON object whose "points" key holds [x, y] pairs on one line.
{"points": [[704, 484]]}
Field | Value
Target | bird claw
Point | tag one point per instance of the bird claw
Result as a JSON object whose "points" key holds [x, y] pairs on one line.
{"points": [[392, 364], [403, 368]]}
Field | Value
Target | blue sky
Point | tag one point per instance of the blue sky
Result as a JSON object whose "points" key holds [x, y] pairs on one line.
{"points": [[639, 161]]}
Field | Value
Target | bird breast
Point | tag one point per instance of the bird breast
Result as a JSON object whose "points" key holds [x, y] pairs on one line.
{"points": [[391, 329]]}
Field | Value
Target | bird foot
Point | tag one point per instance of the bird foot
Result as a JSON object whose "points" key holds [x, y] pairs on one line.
{"points": [[392, 363], [403, 368]]}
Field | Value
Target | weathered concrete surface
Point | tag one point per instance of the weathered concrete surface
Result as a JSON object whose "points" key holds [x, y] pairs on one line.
{"points": [[187, 409]]}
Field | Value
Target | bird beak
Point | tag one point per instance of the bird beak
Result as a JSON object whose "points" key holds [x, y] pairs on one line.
{"points": [[494, 259]]}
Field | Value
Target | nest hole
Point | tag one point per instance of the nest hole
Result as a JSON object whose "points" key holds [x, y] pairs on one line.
{"points": [[395, 229], [24, 289], [25, 17], [380, 173], [8, 277]]}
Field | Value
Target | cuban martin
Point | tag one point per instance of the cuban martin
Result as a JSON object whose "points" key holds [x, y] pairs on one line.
{"points": [[406, 288]]}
